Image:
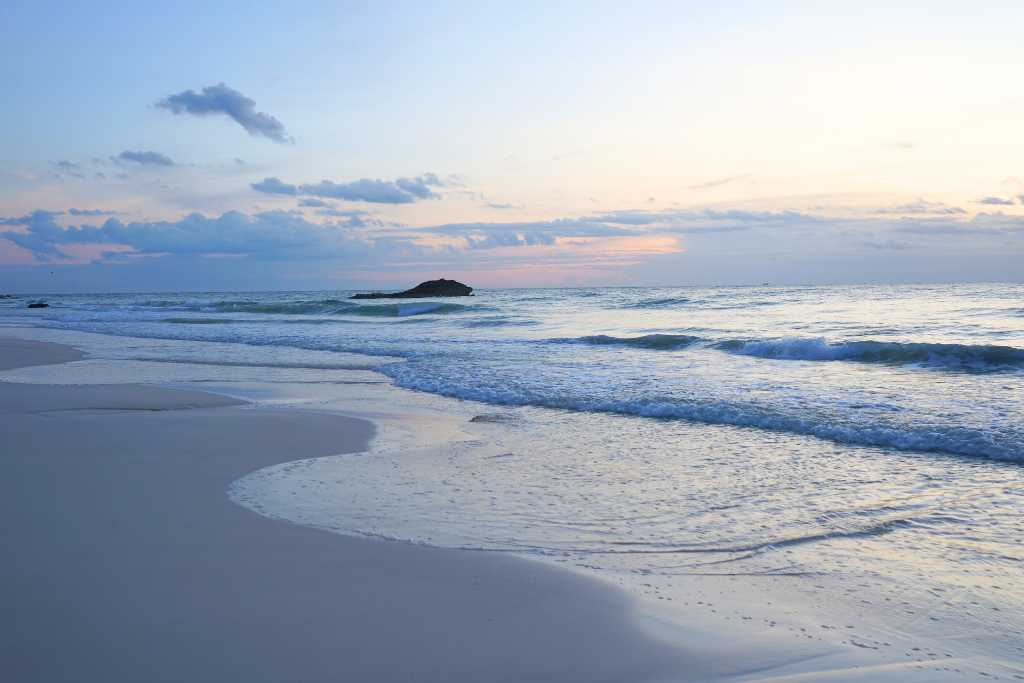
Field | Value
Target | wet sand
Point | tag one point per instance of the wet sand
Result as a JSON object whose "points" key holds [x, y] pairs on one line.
{"points": [[125, 560]]}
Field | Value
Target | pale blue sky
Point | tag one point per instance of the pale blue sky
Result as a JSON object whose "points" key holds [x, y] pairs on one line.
{"points": [[868, 142]]}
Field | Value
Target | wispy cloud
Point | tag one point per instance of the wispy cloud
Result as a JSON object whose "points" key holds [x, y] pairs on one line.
{"points": [[222, 100], [981, 225], [719, 182], [995, 201], [676, 220], [922, 206], [887, 245], [400, 191], [144, 158], [70, 168], [484, 235], [707, 223], [538, 231], [91, 212]]}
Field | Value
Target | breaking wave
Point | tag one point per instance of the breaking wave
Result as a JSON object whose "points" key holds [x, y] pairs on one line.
{"points": [[952, 439], [964, 357], [950, 356]]}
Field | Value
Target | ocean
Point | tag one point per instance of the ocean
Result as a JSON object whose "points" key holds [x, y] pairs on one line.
{"points": [[858, 450]]}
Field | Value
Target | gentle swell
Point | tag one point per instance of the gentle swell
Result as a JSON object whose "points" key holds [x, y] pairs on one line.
{"points": [[702, 304], [664, 342], [324, 307], [295, 307], [498, 321], [658, 303], [402, 310], [950, 356], [200, 321]]}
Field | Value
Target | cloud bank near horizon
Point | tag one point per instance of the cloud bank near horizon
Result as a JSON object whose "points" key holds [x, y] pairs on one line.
{"points": [[273, 235], [635, 246], [289, 233]]}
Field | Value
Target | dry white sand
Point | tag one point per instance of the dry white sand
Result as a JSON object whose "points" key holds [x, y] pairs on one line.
{"points": [[124, 560], [22, 353]]}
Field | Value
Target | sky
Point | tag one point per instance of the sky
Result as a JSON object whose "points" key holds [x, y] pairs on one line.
{"points": [[370, 144]]}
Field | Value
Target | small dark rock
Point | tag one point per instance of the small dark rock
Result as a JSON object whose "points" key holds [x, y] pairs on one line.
{"points": [[430, 288], [39, 304]]}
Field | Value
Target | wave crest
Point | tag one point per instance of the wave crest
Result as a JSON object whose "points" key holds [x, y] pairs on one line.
{"points": [[664, 342], [977, 358], [961, 357], [952, 439]]}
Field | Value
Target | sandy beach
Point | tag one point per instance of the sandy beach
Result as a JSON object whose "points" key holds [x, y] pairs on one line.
{"points": [[126, 561]]}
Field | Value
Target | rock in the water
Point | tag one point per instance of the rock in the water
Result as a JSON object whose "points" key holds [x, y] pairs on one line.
{"points": [[430, 288], [39, 304]]}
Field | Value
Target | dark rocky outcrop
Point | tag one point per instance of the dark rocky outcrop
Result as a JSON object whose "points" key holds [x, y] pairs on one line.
{"points": [[39, 304], [6, 296], [430, 288]]}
